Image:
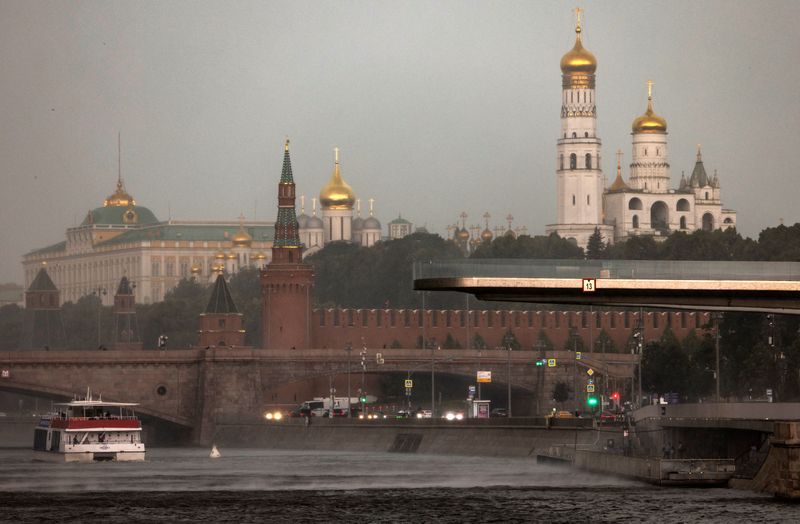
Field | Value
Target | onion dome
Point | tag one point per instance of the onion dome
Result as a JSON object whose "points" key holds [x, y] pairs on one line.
{"points": [[510, 233], [242, 238], [120, 197], [260, 256], [337, 194], [196, 269], [302, 219], [371, 223], [358, 224], [649, 122], [314, 222], [462, 234], [220, 255], [578, 61], [486, 235], [230, 256]]}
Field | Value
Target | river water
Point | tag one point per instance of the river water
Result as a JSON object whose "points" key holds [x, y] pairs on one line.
{"points": [[249, 485]]}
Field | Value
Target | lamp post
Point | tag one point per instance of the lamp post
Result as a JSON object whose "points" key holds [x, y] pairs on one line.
{"points": [[508, 371], [349, 349], [573, 333], [100, 292], [433, 379], [716, 316], [638, 336]]}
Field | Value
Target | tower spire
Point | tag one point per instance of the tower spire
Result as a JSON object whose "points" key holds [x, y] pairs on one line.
{"points": [[286, 245], [578, 12]]}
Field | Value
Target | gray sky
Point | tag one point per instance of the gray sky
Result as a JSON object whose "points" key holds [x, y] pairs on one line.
{"points": [[437, 107]]}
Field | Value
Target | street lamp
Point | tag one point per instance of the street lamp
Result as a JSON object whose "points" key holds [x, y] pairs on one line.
{"points": [[349, 349], [100, 292], [716, 316], [573, 333], [508, 369], [433, 379], [638, 338]]}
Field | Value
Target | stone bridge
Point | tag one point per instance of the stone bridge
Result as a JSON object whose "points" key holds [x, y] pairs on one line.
{"points": [[195, 389]]}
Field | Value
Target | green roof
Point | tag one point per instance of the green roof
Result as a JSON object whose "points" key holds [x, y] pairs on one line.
{"points": [[191, 232], [400, 220], [61, 246], [221, 301], [119, 215]]}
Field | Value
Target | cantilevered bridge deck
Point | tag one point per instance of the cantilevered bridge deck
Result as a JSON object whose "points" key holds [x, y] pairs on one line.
{"points": [[720, 286]]}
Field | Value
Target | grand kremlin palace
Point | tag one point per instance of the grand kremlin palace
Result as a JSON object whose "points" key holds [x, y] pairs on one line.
{"points": [[121, 238]]}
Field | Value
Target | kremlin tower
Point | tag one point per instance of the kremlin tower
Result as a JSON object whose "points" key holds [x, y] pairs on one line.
{"points": [[287, 283]]}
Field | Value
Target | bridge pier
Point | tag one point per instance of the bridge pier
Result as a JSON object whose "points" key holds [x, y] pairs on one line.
{"points": [[786, 447]]}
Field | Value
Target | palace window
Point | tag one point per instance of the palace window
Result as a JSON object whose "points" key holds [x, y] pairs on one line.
{"points": [[573, 161], [588, 160]]}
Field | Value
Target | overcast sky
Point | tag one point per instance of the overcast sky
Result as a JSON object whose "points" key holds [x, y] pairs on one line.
{"points": [[438, 107]]}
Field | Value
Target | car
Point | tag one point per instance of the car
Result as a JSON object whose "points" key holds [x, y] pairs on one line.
{"points": [[563, 414], [498, 412], [424, 413]]}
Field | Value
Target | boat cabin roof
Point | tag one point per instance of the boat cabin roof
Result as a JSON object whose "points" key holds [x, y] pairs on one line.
{"points": [[95, 404]]}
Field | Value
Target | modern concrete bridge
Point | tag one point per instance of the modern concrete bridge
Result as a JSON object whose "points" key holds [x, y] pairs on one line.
{"points": [[196, 388], [714, 286]]}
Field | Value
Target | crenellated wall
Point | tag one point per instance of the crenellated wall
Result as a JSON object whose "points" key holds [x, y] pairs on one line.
{"points": [[335, 328]]}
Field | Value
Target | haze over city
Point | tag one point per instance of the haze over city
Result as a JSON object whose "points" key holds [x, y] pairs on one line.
{"points": [[437, 108]]}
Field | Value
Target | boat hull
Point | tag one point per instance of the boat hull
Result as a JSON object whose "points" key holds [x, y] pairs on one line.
{"points": [[88, 456]]}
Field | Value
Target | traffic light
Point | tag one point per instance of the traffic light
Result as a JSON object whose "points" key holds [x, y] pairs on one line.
{"points": [[615, 396], [591, 402], [539, 363], [362, 399]]}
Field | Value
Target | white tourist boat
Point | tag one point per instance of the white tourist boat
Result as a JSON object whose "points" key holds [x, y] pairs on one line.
{"points": [[85, 430]]}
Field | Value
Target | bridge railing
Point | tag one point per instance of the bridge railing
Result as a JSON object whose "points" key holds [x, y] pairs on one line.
{"points": [[613, 269]]}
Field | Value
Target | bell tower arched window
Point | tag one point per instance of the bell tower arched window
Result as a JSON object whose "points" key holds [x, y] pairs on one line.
{"points": [[561, 162], [588, 160], [573, 161]]}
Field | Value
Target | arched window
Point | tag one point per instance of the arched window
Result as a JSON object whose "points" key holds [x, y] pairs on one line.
{"points": [[574, 135], [645, 151], [727, 221], [586, 134], [683, 205], [588, 201], [634, 203], [706, 195], [659, 216], [573, 200], [683, 222], [561, 163], [573, 161], [588, 160], [708, 222], [635, 221]]}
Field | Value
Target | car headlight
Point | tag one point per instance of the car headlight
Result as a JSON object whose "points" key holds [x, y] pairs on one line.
{"points": [[450, 416], [268, 416], [459, 416], [361, 417], [278, 415]]}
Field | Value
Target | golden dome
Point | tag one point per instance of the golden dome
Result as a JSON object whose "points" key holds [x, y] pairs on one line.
{"points": [[120, 197], [337, 194], [242, 237], [462, 234], [231, 256], [220, 255], [196, 269], [487, 235], [649, 122], [578, 61], [260, 256]]}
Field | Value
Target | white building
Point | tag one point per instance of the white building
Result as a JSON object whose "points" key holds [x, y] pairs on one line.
{"points": [[644, 206]]}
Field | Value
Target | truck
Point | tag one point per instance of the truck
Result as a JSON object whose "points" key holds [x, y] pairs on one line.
{"points": [[322, 406]]}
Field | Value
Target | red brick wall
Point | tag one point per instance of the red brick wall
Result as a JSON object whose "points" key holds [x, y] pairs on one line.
{"points": [[335, 328], [221, 330], [287, 291]]}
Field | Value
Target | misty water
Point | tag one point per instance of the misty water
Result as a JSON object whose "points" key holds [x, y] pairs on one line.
{"points": [[248, 485]]}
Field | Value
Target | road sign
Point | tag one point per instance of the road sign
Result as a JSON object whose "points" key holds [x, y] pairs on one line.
{"points": [[577, 355], [590, 372], [590, 381], [6, 373], [590, 388], [472, 389], [551, 362], [589, 285], [409, 383], [408, 392], [484, 376]]}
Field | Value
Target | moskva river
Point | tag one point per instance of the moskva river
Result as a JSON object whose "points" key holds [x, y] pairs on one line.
{"points": [[248, 485]]}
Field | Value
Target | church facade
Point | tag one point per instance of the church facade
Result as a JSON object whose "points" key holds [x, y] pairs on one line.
{"points": [[646, 204]]}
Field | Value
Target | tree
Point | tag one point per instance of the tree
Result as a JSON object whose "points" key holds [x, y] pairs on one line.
{"points": [[177, 316], [604, 343], [595, 246], [665, 366], [451, 343], [509, 339], [11, 319], [478, 342], [561, 392], [245, 288]]}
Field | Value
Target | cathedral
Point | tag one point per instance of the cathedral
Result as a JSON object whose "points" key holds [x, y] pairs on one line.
{"points": [[337, 201], [646, 204]]}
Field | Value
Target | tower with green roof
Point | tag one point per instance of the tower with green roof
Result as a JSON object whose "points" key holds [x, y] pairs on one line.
{"points": [[287, 283]]}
